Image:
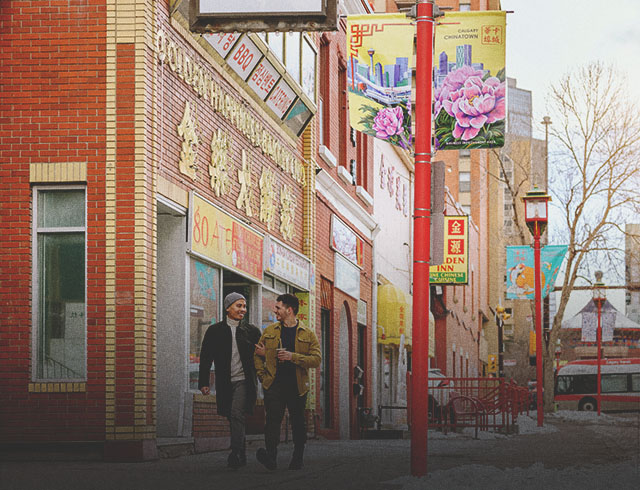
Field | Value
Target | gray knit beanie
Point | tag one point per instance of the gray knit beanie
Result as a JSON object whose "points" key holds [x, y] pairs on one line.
{"points": [[232, 298]]}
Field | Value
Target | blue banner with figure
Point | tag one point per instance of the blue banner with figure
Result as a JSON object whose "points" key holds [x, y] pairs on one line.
{"points": [[520, 270]]}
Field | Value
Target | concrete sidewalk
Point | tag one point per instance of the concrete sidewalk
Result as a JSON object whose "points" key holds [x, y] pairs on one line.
{"points": [[370, 464]]}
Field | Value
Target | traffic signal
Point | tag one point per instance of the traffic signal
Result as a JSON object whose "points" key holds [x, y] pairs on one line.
{"points": [[493, 364]]}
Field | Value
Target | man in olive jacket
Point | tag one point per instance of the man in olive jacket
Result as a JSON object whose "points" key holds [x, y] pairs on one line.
{"points": [[286, 351], [230, 345]]}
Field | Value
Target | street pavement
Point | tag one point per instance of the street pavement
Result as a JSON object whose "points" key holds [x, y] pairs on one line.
{"points": [[565, 454]]}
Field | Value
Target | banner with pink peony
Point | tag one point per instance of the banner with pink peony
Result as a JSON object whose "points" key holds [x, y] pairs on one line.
{"points": [[379, 72], [469, 80]]}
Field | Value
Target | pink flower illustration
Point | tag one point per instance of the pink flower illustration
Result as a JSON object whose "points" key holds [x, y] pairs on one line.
{"points": [[472, 101], [388, 122]]}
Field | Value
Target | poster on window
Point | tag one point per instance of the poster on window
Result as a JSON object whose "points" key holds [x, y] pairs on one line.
{"points": [[379, 71], [469, 80]]}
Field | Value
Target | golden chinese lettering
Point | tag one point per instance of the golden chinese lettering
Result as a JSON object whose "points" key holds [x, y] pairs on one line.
{"points": [[187, 131], [267, 197], [287, 212], [218, 170], [232, 109], [244, 178]]}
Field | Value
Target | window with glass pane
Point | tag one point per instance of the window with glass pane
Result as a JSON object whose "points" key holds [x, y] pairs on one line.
{"points": [[276, 44], [308, 69], [292, 54], [635, 382], [203, 311], [268, 305], [465, 182], [60, 269], [614, 383]]}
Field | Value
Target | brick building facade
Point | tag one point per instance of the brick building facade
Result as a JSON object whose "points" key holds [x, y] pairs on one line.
{"points": [[148, 173]]}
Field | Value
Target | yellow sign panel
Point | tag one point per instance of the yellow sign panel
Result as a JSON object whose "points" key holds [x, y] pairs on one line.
{"points": [[455, 267], [221, 238]]}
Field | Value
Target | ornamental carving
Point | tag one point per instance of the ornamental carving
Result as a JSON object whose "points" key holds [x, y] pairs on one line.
{"points": [[267, 198], [218, 168], [244, 178], [287, 212], [188, 132]]}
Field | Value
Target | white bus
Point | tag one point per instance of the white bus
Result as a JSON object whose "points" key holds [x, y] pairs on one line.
{"points": [[576, 385]]}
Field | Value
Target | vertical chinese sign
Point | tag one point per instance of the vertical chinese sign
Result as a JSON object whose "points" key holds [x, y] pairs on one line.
{"points": [[455, 267], [379, 76], [469, 80]]}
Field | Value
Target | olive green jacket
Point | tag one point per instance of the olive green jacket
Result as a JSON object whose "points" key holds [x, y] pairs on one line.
{"points": [[307, 355]]}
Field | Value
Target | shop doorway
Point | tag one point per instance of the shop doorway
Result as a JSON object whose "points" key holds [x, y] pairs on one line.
{"points": [[345, 375], [171, 318]]}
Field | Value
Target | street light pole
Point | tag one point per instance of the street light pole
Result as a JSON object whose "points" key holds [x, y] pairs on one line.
{"points": [[421, 239], [538, 301], [599, 298], [536, 216]]}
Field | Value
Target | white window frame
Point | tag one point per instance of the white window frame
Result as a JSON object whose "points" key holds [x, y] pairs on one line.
{"points": [[35, 310]]}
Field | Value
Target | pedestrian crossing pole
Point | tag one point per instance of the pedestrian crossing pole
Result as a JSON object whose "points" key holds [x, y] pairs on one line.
{"points": [[421, 238]]}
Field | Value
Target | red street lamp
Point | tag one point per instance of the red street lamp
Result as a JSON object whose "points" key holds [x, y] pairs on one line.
{"points": [[599, 297], [536, 216]]}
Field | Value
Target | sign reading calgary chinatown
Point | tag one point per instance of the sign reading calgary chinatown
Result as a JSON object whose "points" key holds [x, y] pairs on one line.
{"points": [[455, 267], [224, 240], [263, 15]]}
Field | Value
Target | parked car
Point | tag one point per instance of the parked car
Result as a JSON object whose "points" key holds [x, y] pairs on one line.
{"points": [[440, 391]]}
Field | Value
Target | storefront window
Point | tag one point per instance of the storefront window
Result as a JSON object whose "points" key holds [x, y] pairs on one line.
{"points": [[60, 270], [292, 54], [204, 310]]}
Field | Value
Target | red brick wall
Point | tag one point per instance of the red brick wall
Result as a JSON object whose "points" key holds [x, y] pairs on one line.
{"points": [[51, 110]]}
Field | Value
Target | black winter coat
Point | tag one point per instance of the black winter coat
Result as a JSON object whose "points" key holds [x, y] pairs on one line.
{"points": [[216, 348]]}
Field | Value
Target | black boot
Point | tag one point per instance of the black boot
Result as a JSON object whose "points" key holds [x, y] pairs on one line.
{"points": [[267, 458], [233, 461], [297, 462], [242, 456]]}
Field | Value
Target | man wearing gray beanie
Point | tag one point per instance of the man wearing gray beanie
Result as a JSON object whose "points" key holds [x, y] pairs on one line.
{"points": [[230, 345]]}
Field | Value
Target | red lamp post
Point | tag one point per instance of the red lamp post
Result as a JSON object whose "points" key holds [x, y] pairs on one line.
{"points": [[599, 297], [535, 215]]}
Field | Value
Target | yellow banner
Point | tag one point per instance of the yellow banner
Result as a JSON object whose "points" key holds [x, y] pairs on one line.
{"points": [[221, 238], [469, 80], [379, 68], [455, 267]]}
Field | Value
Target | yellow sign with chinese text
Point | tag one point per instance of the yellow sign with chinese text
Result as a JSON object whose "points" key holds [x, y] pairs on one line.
{"points": [[455, 267], [219, 237]]}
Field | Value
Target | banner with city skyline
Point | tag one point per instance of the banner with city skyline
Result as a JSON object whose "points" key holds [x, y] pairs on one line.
{"points": [[380, 50], [469, 80]]}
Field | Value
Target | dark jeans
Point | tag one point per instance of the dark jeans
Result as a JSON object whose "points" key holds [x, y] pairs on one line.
{"points": [[278, 397], [237, 417]]}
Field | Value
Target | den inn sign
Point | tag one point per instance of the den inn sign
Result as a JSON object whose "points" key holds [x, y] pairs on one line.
{"points": [[263, 15]]}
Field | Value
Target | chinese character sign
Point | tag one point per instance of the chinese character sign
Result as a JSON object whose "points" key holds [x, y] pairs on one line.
{"points": [[469, 80], [379, 76], [455, 267], [520, 270]]}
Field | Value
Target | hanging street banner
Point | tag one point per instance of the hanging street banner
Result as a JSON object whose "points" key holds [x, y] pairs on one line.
{"points": [[520, 270], [379, 71], [469, 80], [455, 266]]}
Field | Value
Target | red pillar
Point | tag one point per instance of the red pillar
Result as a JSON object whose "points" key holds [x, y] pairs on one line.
{"points": [[421, 239], [538, 301], [599, 333]]}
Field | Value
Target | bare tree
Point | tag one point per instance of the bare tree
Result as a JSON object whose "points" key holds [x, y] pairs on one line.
{"points": [[595, 179]]}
